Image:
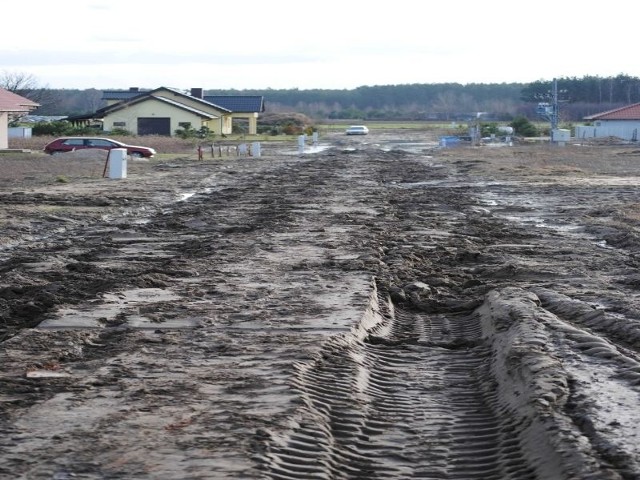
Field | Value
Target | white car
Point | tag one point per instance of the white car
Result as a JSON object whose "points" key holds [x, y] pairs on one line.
{"points": [[356, 130]]}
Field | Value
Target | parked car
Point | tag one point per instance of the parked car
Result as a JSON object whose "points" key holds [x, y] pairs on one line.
{"points": [[69, 144], [357, 130]]}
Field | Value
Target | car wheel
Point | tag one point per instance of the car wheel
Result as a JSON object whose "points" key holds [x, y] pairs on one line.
{"points": [[136, 155], [57, 152]]}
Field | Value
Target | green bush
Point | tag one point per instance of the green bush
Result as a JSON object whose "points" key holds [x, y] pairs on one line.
{"points": [[62, 127], [187, 131], [523, 127], [121, 132], [57, 128], [488, 129]]}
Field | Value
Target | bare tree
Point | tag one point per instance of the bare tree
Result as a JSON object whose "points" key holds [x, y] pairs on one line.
{"points": [[27, 85], [445, 103], [18, 82]]}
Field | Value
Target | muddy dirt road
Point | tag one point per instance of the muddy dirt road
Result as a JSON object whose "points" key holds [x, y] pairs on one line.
{"points": [[378, 308]]}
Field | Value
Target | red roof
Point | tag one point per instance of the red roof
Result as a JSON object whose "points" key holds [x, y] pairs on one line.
{"points": [[11, 102], [630, 112]]}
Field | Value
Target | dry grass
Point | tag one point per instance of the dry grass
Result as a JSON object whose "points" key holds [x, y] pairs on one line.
{"points": [[160, 143]]}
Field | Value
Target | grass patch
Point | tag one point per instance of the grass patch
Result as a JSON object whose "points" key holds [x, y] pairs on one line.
{"points": [[340, 125]]}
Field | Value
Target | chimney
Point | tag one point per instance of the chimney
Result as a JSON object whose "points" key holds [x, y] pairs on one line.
{"points": [[134, 89], [197, 92]]}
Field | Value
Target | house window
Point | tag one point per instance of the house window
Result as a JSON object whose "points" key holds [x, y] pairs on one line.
{"points": [[185, 125], [119, 124]]}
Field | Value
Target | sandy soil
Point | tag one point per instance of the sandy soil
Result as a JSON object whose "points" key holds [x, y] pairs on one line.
{"points": [[377, 307]]}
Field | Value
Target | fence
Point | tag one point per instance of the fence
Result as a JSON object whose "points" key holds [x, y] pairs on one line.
{"points": [[230, 150], [589, 131]]}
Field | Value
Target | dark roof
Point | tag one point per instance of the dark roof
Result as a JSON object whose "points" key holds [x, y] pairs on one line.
{"points": [[146, 94], [237, 103], [122, 94], [12, 102], [83, 116], [629, 112], [144, 97], [178, 93], [230, 103]]}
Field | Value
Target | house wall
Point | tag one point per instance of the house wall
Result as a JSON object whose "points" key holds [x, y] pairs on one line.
{"points": [[221, 124], [185, 100], [20, 132], [227, 125], [152, 108], [252, 118], [218, 125], [624, 129], [4, 130]]}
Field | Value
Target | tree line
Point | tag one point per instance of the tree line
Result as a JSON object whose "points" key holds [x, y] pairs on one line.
{"points": [[578, 98]]}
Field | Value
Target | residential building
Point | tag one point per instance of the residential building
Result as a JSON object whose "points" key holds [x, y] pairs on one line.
{"points": [[623, 123], [11, 103], [164, 110]]}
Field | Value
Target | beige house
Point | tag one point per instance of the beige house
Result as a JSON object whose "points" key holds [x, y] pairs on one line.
{"points": [[164, 110], [11, 103]]}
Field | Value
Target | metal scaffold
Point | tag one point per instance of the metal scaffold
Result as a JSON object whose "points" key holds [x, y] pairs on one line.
{"points": [[551, 112]]}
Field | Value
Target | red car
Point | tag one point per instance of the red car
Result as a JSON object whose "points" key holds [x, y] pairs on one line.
{"points": [[69, 144]]}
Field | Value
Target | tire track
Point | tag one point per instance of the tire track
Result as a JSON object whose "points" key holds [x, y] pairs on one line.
{"points": [[613, 354], [405, 395]]}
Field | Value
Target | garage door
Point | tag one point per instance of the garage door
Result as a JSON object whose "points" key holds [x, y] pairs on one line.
{"points": [[154, 126]]}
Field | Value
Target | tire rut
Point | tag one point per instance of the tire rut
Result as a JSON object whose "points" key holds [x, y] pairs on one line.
{"points": [[409, 398]]}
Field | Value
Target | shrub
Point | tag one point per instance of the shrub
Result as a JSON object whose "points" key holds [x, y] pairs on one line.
{"points": [[488, 129], [187, 131], [57, 128], [523, 127], [123, 132], [63, 127], [285, 123], [291, 129]]}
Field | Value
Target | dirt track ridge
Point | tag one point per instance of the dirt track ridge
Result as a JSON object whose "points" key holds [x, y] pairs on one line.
{"points": [[414, 395]]}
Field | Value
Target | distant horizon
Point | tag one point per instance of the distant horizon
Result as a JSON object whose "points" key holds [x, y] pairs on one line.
{"points": [[147, 88]]}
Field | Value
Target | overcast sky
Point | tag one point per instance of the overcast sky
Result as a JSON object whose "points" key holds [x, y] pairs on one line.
{"points": [[260, 44]]}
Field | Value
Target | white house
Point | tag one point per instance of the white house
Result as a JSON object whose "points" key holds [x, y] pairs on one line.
{"points": [[623, 123]]}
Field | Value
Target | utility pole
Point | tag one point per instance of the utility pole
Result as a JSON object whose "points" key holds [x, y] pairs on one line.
{"points": [[551, 112], [555, 110]]}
